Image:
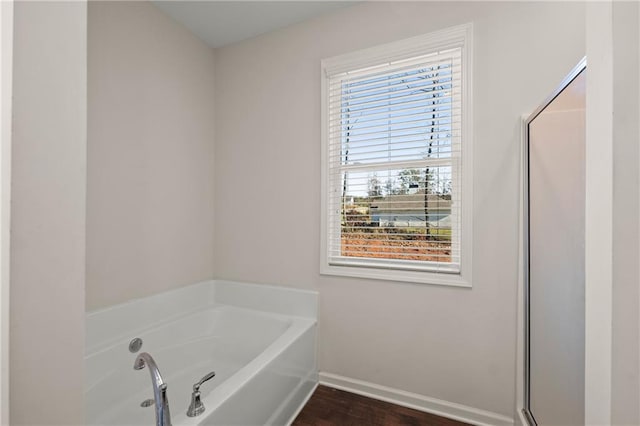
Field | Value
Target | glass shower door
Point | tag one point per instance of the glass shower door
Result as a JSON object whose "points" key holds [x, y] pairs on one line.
{"points": [[556, 235]]}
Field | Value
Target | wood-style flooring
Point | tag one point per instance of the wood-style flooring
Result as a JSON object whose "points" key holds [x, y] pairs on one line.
{"points": [[333, 407]]}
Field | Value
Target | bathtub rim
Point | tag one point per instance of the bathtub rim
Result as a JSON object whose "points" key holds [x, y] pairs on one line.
{"points": [[186, 300]]}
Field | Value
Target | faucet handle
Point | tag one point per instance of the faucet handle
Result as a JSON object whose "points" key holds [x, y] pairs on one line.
{"points": [[197, 407], [209, 376]]}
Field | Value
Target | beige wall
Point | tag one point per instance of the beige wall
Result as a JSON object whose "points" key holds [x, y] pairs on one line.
{"points": [[448, 343], [626, 238], [150, 154], [48, 213]]}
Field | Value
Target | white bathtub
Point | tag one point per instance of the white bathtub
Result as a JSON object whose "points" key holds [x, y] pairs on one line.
{"points": [[260, 341]]}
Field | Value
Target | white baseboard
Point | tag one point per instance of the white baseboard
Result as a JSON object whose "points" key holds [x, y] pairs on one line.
{"points": [[435, 406]]}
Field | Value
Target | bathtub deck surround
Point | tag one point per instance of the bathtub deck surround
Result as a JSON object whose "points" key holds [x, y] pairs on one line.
{"points": [[254, 337]]}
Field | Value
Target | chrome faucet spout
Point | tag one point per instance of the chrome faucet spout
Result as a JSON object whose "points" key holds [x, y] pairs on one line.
{"points": [[163, 416]]}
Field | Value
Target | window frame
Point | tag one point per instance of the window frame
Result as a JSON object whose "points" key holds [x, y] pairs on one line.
{"points": [[458, 36]]}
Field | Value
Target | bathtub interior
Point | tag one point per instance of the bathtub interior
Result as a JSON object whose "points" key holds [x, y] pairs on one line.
{"points": [[221, 339], [277, 392], [188, 344]]}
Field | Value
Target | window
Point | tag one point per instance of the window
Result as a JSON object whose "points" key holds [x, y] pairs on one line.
{"points": [[397, 160]]}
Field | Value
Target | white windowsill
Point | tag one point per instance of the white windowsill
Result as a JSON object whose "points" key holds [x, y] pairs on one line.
{"points": [[419, 277]]}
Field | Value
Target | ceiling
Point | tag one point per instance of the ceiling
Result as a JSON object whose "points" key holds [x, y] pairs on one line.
{"points": [[220, 23]]}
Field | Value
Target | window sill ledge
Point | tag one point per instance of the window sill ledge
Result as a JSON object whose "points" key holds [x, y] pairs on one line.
{"points": [[418, 277]]}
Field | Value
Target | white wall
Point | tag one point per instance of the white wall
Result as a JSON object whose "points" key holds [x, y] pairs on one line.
{"points": [[598, 211], [448, 343], [626, 210], [150, 154], [48, 213]]}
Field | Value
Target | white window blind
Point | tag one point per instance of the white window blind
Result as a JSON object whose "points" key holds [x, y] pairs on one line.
{"points": [[394, 162]]}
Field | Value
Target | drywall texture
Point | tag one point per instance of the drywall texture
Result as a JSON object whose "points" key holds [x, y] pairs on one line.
{"points": [[442, 342], [150, 154], [625, 386], [48, 213]]}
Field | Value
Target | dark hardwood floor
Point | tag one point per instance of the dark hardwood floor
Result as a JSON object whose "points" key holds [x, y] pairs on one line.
{"points": [[329, 407]]}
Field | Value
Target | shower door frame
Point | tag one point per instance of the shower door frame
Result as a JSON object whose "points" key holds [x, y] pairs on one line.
{"points": [[526, 402], [6, 108]]}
